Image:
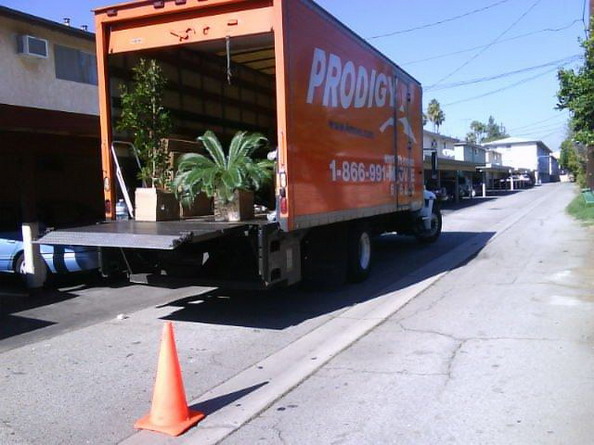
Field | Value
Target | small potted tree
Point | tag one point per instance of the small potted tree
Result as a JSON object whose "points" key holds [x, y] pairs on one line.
{"points": [[230, 178], [144, 116]]}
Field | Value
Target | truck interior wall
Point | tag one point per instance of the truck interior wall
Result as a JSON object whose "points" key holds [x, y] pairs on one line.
{"points": [[199, 95]]}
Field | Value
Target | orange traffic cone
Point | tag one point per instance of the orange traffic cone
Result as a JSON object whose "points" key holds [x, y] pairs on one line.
{"points": [[169, 411]]}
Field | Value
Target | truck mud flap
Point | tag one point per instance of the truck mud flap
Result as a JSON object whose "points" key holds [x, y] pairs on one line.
{"points": [[162, 235]]}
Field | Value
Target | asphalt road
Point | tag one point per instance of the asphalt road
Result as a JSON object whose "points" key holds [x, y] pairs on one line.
{"points": [[72, 371]]}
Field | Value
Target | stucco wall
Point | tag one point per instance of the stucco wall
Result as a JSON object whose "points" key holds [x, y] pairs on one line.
{"points": [[443, 144], [31, 82], [494, 157], [470, 153], [519, 156]]}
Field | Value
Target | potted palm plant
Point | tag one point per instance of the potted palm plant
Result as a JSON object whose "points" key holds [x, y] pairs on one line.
{"points": [[145, 117], [230, 178]]}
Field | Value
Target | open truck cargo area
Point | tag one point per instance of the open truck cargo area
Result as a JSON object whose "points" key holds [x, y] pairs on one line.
{"points": [[344, 121]]}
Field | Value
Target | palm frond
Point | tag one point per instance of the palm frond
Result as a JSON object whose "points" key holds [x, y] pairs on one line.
{"points": [[190, 161], [254, 141], [214, 147], [236, 146]]}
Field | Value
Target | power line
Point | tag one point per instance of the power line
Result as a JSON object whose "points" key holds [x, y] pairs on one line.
{"points": [[440, 22], [557, 116], [540, 129], [501, 41], [545, 136], [528, 79], [563, 61], [490, 44], [549, 134]]}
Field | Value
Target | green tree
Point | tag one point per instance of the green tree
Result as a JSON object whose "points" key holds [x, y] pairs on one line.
{"points": [[149, 122], [477, 132], [481, 132], [494, 131], [435, 114], [576, 94], [573, 159]]}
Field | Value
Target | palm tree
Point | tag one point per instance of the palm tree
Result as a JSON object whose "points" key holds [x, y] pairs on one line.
{"points": [[477, 133], [435, 114], [220, 174]]}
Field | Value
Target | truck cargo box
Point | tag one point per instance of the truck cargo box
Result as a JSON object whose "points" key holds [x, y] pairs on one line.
{"points": [[345, 119]]}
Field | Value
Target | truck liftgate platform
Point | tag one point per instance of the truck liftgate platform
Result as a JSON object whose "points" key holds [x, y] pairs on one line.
{"points": [[190, 248], [161, 235]]}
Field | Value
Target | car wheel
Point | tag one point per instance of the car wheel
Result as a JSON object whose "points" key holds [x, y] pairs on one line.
{"points": [[428, 236], [19, 265], [359, 254]]}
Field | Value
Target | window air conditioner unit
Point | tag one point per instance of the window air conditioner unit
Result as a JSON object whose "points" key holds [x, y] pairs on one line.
{"points": [[32, 46]]}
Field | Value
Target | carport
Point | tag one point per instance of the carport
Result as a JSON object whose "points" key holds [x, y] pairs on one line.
{"points": [[52, 172], [49, 144], [449, 169], [493, 174]]}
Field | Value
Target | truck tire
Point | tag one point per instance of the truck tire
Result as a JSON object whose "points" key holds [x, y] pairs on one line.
{"points": [[360, 249], [429, 236]]}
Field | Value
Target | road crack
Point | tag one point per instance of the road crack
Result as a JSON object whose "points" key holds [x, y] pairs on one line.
{"points": [[278, 432]]}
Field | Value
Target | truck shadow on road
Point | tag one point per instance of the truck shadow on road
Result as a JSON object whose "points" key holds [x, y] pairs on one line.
{"points": [[399, 262], [15, 298]]}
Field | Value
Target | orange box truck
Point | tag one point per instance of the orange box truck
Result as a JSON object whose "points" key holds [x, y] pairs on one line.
{"points": [[346, 123]]}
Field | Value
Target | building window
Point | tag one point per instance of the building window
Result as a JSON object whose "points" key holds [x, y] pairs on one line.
{"points": [[75, 65]]}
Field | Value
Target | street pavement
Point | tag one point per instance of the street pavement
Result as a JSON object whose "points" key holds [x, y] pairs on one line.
{"points": [[435, 348], [497, 351]]}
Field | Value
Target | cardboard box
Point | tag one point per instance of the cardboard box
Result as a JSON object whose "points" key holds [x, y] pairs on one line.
{"points": [[154, 204]]}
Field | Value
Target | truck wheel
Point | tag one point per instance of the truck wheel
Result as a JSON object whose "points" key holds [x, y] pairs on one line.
{"points": [[429, 236], [360, 254]]}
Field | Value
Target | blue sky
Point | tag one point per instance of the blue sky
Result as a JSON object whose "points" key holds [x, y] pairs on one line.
{"points": [[492, 38]]}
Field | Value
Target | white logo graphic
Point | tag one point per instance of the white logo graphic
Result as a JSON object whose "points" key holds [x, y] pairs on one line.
{"points": [[346, 85]]}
